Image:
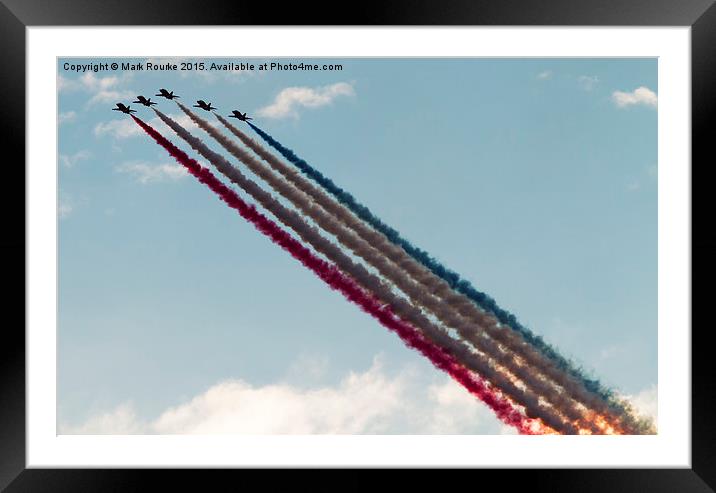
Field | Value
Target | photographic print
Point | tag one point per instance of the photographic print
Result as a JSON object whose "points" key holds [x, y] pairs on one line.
{"points": [[349, 246]]}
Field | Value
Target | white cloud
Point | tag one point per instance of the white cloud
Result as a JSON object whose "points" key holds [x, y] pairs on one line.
{"points": [[93, 83], [588, 82], [639, 96], [67, 204], [610, 352], [110, 96], [125, 128], [120, 421], [647, 402], [105, 89], [101, 89], [371, 402], [146, 173], [70, 160], [119, 129], [359, 404], [65, 208], [452, 408], [68, 116], [289, 100], [65, 84], [545, 75]]}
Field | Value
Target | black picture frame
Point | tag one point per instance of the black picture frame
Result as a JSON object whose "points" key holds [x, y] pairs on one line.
{"points": [[16, 15]]}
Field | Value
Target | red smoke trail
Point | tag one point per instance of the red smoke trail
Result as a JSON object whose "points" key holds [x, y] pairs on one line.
{"points": [[399, 267], [530, 403], [340, 282]]}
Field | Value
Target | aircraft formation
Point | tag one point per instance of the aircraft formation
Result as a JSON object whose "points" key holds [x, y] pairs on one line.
{"points": [[164, 93], [432, 309]]}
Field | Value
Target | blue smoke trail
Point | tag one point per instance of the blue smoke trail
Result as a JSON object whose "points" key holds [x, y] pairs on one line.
{"points": [[451, 277]]}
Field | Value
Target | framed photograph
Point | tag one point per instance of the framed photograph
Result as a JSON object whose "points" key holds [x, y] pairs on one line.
{"points": [[433, 236]]}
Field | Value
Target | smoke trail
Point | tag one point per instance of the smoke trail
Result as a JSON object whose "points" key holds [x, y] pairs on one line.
{"points": [[309, 234], [342, 283], [369, 246], [450, 276], [616, 406], [377, 241], [366, 249]]}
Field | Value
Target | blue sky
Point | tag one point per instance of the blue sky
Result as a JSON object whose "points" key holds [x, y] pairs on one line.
{"points": [[534, 178]]}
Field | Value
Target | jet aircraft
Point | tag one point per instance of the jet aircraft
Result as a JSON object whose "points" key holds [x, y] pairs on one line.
{"points": [[144, 101], [166, 94], [123, 109], [204, 106], [240, 116]]}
